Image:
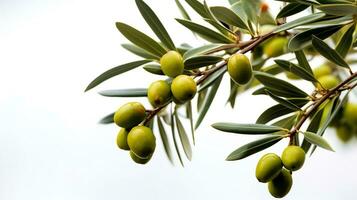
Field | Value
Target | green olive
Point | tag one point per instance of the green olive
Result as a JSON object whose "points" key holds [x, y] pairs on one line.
{"points": [[281, 185], [240, 69], [276, 47], [129, 115], [159, 93], [293, 157], [172, 64], [268, 167], [344, 132], [322, 70], [328, 82], [122, 139], [183, 88], [139, 160], [350, 113], [142, 141]]}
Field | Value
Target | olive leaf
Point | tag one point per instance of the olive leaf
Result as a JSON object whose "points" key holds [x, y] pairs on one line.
{"points": [[204, 32], [287, 122], [303, 39], [140, 39], [114, 72], [212, 78], [277, 84], [201, 61], [174, 136], [135, 92], [317, 140], [182, 10], [139, 51], [190, 117], [338, 9], [345, 43], [227, 16], [297, 70], [183, 137], [301, 58], [108, 119], [164, 139], [253, 147], [313, 127], [298, 22], [328, 52], [284, 102], [154, 69], [155, 24], [249, 129], [208, 101], [200, 50], [198, 7], [291, 9]]}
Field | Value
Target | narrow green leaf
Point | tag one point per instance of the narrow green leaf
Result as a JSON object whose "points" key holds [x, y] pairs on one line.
{"points": [[200, 50], [345, 43], [233, 93], [183, 137], [198, 7], [141, 40], [154, 69], [114, 72], [300, 56], [249, 129], [135, 92], [298, 22], [212, 78], [201, 97], [271, 82], [278, 92], [182, 10], [338, 9], [328, 21], [313, 127], [190, 117], [317, 140], [165, 140], [208, 101], [227, 16], [287, 122], [297, 70], [328, 52], [303, 39], [109, 119], [204, 32], [291, 9], [201, 61], [139, 51], [174, 136], [283, 102], [253, 147], [155, 24]]}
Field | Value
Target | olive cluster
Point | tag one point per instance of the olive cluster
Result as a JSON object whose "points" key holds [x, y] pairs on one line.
{"points": [[136, 138], [134, 135], [277, 171]]}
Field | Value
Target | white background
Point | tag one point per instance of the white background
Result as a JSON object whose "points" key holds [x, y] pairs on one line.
{"points": [[51, 146]]}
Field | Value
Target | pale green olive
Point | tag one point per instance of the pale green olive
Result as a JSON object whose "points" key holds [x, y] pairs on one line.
{"points": [[141, 141], [322, 70], [139, 160], [172, 64], [183, 88], [327, 82], [275, 47], [240, 69], [293, 157], [268, 167], [159, 93], [122, 139], [129, 115]]}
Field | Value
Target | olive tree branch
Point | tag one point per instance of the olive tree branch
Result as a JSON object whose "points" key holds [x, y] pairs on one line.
{"points": [[331, 92]]}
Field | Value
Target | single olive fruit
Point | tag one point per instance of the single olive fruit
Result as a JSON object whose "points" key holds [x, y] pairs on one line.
{"points": [[172, 64], [122, 139], [281, 185], [129, 115], [350, 113], [322, 70], [268, 167], [141, 141], [293, 157], [344, 132], [328, 82], [240, 69], [159, 93], [139, 160], [183, 88], [276, 47]]}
